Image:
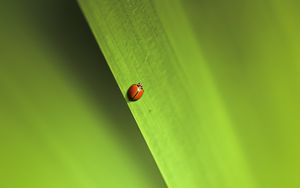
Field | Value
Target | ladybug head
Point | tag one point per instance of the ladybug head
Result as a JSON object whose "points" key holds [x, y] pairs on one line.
{"points": [[140, 85]]}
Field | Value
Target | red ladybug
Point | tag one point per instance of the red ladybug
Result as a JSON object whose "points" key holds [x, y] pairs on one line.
{"points": [[135, 92]]}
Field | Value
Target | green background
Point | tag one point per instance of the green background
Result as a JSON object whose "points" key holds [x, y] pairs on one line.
{"points": [[63, 122]]}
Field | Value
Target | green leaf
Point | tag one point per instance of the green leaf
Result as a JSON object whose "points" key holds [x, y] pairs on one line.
{"points": [[221, 84]]}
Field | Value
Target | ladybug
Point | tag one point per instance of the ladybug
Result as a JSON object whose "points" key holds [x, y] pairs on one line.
{"points": [[135, 92]]}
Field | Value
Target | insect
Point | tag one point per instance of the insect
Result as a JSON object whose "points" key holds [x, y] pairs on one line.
{"points": [[135, 92]]}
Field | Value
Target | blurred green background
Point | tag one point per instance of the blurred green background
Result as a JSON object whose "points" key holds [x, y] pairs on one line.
{"points": [[63, 121], [253, 50]]}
